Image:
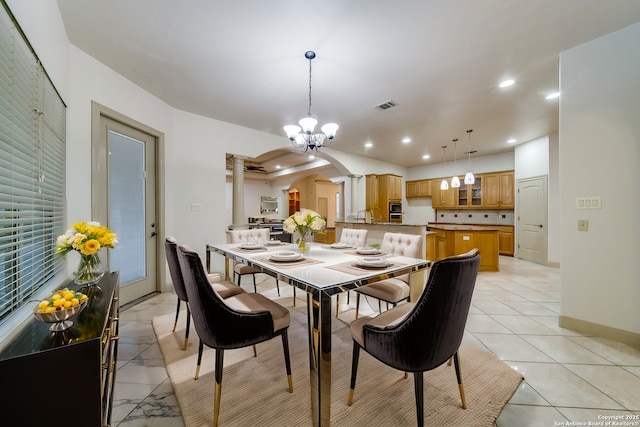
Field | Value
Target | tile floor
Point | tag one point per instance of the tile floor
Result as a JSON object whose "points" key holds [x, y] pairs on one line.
{"points": [[570, 378]]}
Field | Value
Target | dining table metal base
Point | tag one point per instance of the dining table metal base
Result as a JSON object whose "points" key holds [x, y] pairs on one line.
{"points": [[319, 322]]}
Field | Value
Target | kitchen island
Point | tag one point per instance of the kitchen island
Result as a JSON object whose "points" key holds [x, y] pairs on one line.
{"points": [[454, 239]]}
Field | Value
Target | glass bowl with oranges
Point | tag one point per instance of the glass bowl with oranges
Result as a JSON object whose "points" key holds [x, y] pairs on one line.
{"points": [[59, 307]]}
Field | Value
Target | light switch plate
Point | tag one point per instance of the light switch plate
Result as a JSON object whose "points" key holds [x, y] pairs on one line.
{"points": [[196, 207], [588, 202]]}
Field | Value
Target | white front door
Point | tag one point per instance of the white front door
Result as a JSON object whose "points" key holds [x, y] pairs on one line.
{"points": [[531, 210]]}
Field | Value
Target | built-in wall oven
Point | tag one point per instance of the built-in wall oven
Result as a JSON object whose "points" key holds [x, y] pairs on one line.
{"points": [[395, 211]]}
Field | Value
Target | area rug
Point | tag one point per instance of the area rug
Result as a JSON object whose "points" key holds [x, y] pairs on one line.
{"points": [[254, 389]]}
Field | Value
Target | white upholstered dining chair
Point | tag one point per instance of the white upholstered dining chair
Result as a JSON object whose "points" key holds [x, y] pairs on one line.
{"points": [[394, 289], [252, 235], [353, 237]]}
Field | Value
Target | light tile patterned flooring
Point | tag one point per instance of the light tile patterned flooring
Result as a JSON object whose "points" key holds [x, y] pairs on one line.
{"points": [[514, 314]]}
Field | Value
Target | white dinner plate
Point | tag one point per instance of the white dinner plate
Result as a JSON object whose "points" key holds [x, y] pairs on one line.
{"points": [[251, 245], [283, 256], [372, 262], [367, 251], [340, 245]]}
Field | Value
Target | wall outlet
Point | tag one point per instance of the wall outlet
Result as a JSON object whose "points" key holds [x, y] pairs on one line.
{"points": [[583, 225]]}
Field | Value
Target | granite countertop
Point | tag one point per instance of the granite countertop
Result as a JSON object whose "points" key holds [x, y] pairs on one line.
{"points": [[462, 227], [382, 223]]}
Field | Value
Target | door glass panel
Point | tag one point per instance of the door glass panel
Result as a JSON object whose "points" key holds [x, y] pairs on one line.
{"points": [[126, 206]]}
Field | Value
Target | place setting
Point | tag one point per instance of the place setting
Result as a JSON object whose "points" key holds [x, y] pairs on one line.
{"points": [[285, 259], [372, 263], [274, 243], [251, 247], [338, 245], [367, 251]]}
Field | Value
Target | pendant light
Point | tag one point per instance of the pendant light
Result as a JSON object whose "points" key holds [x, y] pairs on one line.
{"points": [[444, 185], [455, 181], [469, 178]]}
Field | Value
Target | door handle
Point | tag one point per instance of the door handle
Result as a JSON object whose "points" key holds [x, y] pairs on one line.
{"points": [[153, 234], [540, 225]]}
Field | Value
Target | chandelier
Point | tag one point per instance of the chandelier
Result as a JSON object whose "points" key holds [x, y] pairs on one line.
{"points": [[302, 137]]}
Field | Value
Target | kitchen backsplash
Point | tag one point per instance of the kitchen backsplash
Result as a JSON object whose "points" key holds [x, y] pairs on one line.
{"points": [[492, 217]]}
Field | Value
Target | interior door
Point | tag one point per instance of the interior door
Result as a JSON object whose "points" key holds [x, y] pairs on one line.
{"points": [[127, 203], [531, 232]]}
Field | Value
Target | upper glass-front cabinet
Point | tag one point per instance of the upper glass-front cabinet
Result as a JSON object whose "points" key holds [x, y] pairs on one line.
{"points": [[470, 195]]}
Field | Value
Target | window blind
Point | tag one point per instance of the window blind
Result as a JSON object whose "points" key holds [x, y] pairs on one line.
{"points": [[32, 170]]}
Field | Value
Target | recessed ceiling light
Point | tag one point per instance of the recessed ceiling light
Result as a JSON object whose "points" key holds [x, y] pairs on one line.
{"points": [[311, 157], [507, 83], [368, 144], [278, 166], [552, 95], [406, 140], [511, 141], [426, 156]]}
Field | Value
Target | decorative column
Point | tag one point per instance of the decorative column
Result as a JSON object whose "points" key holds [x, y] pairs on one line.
{"points": [[340, 208], [354, 194], [237, 210]]}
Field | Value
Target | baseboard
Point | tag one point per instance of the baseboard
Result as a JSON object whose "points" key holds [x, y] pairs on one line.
{"points": [[626, 337], [553, 264]]}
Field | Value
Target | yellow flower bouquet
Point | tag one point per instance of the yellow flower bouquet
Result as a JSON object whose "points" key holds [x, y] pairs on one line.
{"points": [[87, 238]]}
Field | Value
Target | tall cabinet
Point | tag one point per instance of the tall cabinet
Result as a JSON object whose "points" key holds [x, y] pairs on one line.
{"points": [[380, 190]]}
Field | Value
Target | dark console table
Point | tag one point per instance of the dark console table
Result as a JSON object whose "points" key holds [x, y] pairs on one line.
{"points": [[64, 378]]}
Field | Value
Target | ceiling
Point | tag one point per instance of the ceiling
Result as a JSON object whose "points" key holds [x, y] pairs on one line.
{"points": [[441, 61]]}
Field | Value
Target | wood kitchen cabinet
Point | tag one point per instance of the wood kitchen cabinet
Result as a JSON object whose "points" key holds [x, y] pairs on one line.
{"points": [[505, 240], [64, 378], [390, 187], [498, 190], [380, 190], [470, 195], [420, 188], [442, 199], [458, 239], [373, 197]]}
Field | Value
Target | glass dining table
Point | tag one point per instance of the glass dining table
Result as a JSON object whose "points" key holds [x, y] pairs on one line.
{"points": [[325, 271]]}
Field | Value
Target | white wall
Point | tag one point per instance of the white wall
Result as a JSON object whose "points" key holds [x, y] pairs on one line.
{"points": [[599, 156], [532, 158], [554, 242], [481, 164]]}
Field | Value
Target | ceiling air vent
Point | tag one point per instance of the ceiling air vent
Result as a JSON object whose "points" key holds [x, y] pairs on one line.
{"points": [[386, 105]]}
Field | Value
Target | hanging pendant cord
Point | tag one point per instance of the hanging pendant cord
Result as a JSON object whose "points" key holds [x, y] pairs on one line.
{"points": [[309, 114]]}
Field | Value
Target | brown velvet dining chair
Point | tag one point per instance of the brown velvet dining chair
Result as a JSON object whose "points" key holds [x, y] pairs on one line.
{"points": [[224, 288], [236, 322], [395, 289], [418, 337]]}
